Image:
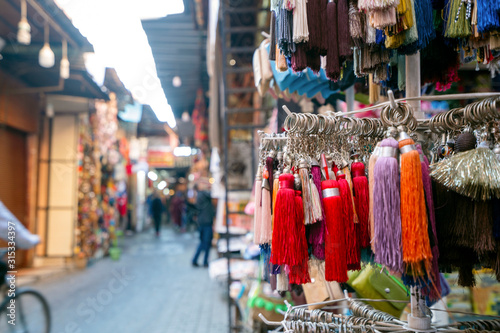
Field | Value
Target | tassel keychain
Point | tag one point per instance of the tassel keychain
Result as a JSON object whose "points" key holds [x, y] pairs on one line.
{"points": [[266, 219], [416, 246], [299, 273], [257, 216], [352, 247], [371, 184], [386, 207], [435, 293], [317, 232], [474, 173], [311, 212], [361, 199], [283, 237], [335, 248]]}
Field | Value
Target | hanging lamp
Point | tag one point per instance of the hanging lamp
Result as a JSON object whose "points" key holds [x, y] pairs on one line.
{"points": [[23, 27], [46, 56], [64, 66]]}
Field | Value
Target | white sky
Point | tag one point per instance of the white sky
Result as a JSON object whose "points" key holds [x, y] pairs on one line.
{"points": [[114, 29]]}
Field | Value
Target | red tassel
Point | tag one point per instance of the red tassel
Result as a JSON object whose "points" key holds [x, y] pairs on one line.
{"points": [[299, 272], [335, 249], [352, 246], [361, 199], [284, 222]]}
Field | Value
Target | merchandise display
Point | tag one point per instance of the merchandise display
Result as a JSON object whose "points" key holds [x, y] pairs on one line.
{"points": [[388, 204], [371, 39]]}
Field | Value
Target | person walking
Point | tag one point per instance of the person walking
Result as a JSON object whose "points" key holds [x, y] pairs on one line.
{"points": [[206, 213], [157, 211]]}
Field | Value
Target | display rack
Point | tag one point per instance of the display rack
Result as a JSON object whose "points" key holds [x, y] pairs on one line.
{"points": [[240, 34]]}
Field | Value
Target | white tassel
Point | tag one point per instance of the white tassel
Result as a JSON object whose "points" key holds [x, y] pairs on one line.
{"points": [[317, 212], [282, 281], [300, 28]]}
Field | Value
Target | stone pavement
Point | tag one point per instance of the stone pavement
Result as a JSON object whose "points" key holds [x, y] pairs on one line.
{"points": [[152, 288]]}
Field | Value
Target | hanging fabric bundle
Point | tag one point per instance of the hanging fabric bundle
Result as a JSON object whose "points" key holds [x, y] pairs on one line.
{"points": [[381, 19], [343, 35], [371, 183], [317, 231], [416, 245], [457, 20], [314, 25], [386, 207], [284, 237], [336, 256], [361, 199], [284, 32], [356, 24], [352, 245], [425, 23], [300, 28], [487, 16], [299, 58], [332, 57], [257, 216]]}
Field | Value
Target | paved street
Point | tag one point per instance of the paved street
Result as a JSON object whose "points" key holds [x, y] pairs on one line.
{"points": [[152, 288]]}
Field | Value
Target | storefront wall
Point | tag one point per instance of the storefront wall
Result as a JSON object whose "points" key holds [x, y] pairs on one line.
{"points": [[18, 154]]}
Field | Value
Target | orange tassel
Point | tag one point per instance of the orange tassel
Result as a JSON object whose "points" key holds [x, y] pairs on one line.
{"points": [[416, 245]]}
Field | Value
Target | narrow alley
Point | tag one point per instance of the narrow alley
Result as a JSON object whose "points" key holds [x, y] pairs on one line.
{"points": [[153, 285]]}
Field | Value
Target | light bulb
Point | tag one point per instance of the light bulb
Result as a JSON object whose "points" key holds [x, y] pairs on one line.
{"points": [[24, 32], [64, 69], [46, 57]]}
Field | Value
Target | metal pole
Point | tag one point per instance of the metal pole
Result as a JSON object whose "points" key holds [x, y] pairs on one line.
{"points": [[222, 13], [349, 98], [413, 87]]}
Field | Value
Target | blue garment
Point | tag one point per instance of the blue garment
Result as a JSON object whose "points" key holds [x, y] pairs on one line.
{"points": [[206, 235]]}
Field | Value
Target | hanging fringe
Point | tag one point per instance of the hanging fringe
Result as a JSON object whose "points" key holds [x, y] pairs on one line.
{"points": [[484, 241], [356, 24], [457, 25], [299, 272], [272, 34]]}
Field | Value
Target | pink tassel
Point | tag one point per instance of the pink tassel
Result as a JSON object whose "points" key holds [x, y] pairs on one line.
{"points": [[371, 183], [267, 224], [257, 217]]}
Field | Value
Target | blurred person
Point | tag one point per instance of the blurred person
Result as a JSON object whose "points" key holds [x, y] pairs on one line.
{"points": [[205, 217], [157, 211], [177, 207], [23, 238]]}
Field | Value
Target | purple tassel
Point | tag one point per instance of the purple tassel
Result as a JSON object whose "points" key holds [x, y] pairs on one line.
{"points": [[317, 235], [435, 293], [386, 209]]}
